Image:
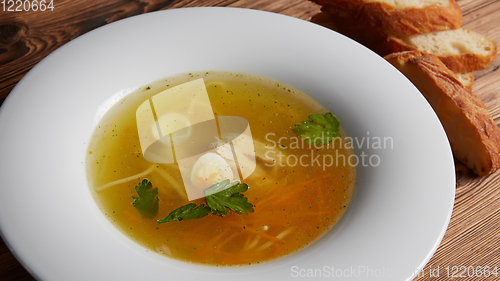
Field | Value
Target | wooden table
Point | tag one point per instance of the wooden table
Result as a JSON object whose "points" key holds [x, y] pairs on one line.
{"points": [[473, 236]]}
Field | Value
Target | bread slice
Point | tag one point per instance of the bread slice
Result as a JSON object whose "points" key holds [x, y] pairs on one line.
{"points": [[461, 50], [467, 79], [472, 133], [374, 39], [401, 17]]}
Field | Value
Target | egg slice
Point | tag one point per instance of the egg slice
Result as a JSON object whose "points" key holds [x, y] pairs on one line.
{"points": [[210, 169]]}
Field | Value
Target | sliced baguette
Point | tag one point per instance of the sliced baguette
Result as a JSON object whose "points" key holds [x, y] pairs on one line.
{"points": [[461, 50], [472, 133], [373, 39], [467, 79], [407, 17]]}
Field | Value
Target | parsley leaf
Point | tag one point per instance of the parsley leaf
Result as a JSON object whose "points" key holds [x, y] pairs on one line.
{"points": [[219, 197], [147, 202], [321, 129], [186, 212], [224, 194]]}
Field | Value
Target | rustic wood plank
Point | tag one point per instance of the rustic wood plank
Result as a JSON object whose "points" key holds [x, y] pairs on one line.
{"points": [[28, 37], [10, 269], [483, 19]]}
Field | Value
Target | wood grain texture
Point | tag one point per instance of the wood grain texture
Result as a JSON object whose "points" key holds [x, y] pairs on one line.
{"points": [[28, 37], [473, 235]]}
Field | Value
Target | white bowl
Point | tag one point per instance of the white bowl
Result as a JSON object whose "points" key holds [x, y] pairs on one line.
{"points": [[396, 219]]}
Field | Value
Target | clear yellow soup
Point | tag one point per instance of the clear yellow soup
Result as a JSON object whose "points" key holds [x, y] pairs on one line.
{"points": [[295, 202]]}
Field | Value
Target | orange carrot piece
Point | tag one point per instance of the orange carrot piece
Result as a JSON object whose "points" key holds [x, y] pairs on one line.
{"points": [[133, 217], [208, 246]]}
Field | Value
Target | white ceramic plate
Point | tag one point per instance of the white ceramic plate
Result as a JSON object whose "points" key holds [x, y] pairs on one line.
{"points": [[397, 217]]}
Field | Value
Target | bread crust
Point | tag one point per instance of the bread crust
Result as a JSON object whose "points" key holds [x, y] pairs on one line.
{"points": [[406, 21], [372, 38], [375, 38], [466, 78], [457, 63], [472, 133]]}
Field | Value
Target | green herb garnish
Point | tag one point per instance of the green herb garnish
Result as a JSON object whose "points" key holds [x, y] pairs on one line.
{"points": [[223, 195], [147, 202], [219, 197], [320, 129], [187, 212]]}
